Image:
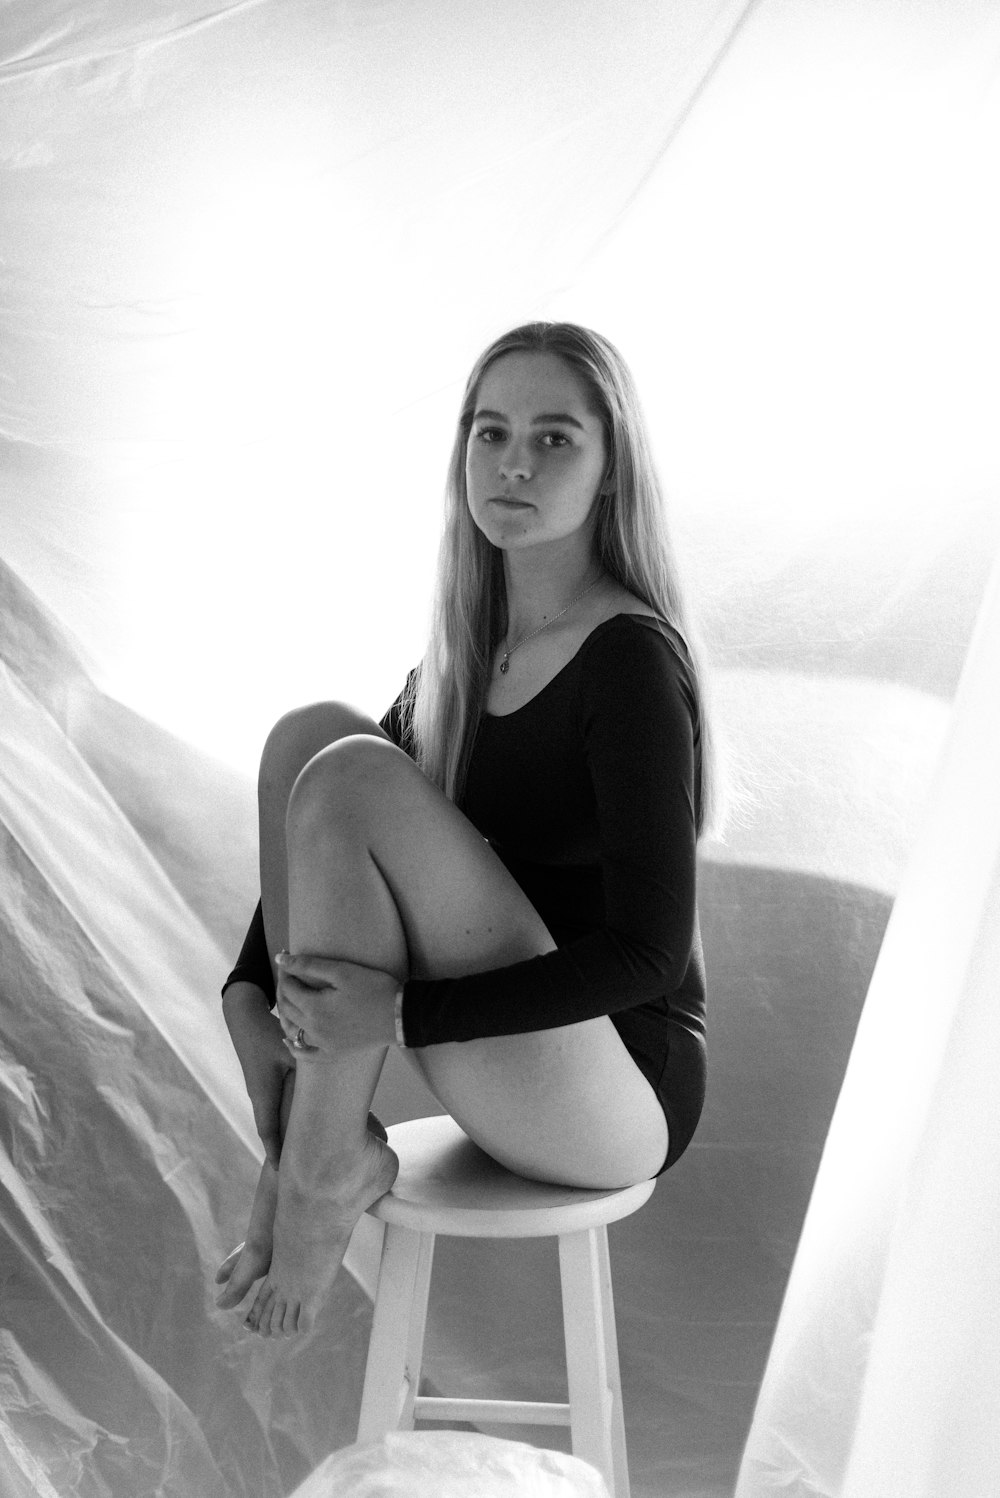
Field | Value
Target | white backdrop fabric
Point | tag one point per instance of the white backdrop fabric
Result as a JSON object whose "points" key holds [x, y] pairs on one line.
{"points": [[247, 253]]}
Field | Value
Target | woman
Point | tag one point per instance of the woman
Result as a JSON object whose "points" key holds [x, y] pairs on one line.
{"points": [[501, 876]]}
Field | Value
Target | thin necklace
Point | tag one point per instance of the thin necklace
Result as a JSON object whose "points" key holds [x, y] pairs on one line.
{"points": [[505, 663]]}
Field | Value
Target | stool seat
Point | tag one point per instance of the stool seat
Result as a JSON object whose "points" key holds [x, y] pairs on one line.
{"points": [[446, 1184]]}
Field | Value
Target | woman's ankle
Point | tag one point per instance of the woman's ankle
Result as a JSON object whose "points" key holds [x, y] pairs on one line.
{"points": [[321, 1166]]}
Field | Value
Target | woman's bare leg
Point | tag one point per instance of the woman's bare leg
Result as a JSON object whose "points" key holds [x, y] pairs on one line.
{"points": [[251, 1259], [384, 870], [333, 1166], [291, 744], [293, 741]]}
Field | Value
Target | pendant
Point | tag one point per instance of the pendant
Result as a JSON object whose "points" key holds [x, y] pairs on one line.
{"points": [[504, 664]]}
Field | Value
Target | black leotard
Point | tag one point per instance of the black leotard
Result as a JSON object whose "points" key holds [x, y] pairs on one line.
{"points": [[588, 794]]}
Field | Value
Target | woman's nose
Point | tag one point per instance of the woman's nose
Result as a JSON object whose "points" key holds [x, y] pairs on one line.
{"points": [[515, 461]]}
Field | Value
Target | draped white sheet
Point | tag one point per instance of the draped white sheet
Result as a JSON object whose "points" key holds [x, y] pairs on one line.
{"points": [[883, 1375], [451, 1464], [249, 251]]}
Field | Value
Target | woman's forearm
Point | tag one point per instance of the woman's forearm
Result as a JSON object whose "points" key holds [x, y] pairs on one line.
{"points": [[251, 1023], [253, 965], [265, 1062]]}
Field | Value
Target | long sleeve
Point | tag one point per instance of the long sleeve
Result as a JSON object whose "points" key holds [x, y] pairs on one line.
{"points": [[253, 965], [631, 704]]}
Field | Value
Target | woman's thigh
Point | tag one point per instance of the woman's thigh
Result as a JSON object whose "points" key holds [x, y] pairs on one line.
{"points": [[567, 1105], [564, 1104], [293, 741]]}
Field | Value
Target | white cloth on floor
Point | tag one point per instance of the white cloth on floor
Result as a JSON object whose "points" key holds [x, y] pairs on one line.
{"points": [[451, 1464]]}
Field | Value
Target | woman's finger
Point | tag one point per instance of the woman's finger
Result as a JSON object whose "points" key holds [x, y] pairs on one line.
{"points": [[292, 1027], [295, 988], [313, 971], [301, 1001], [291, 1024], [288, 1004]]}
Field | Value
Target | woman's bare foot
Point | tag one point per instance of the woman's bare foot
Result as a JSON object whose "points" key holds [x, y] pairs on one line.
{"points": [[311, 1233], [250, 1260]]}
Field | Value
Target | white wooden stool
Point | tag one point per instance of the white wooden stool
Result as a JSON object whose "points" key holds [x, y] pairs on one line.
{"points": [[447, 1185]]}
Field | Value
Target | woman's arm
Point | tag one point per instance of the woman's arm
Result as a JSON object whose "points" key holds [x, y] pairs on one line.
{"points": [[253, 965], [637, 721], [248, 999], [259, 1044]]}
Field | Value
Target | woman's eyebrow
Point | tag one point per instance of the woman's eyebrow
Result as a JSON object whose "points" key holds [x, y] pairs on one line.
{"points": [[536, 421]]}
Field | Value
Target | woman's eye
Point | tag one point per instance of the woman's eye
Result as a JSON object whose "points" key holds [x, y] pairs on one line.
{"points": [[493, 435]]}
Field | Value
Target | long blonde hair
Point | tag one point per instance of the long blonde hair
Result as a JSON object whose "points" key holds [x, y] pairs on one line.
{"points": [[447, 695]]}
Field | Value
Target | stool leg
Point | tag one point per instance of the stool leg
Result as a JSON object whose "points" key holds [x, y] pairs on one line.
{"points": [[619, 1456], [418, 1321], [596, 1424], [396, 1347]]}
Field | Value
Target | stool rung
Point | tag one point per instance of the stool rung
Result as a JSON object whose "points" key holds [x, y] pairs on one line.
{"points": [[490, 1411]]}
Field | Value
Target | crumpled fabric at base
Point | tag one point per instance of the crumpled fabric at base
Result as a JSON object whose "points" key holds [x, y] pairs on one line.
{"points": [[451, 1464]]}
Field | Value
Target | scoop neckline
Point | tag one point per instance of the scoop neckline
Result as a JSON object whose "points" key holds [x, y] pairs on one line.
{"points": [[624, 614]]}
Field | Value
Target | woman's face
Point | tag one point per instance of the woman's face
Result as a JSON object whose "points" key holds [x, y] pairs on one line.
{"points": [[536, 453]]}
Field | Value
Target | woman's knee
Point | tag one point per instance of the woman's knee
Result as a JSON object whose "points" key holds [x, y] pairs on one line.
{"points": [[348, 776], [303, 733]]}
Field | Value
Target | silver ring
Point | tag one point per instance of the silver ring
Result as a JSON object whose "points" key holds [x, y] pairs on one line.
{"points": [[300, 1040]]}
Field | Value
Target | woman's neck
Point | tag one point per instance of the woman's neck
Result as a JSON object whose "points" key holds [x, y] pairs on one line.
{"points": [[538, 590]]}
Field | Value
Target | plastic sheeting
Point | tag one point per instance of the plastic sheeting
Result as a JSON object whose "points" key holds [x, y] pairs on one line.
{"points": [[440, 1464], [883, 1377], [249, 252]]}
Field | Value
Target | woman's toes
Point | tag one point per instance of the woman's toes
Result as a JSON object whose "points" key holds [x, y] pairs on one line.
{"points": [[251, 1264], [261, 1305], [276, 1303], [272, 1319], [234, 1292], [239, 1282], [228, 1264]]}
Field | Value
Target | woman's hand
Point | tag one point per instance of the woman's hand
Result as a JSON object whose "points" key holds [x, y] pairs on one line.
{"points": [[257, 1038], [339, 1006]]}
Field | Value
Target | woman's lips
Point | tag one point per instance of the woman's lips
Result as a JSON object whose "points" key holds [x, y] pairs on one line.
{"points": [[514, 504]]}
